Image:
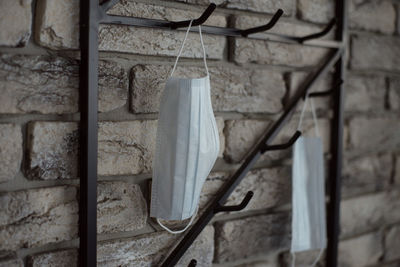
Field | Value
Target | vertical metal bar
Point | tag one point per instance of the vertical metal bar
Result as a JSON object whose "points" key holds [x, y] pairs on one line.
{"points": [[336, 143], [88, 131]]}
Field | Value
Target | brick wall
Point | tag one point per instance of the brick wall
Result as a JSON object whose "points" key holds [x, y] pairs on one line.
{"points": [[251, 80]]}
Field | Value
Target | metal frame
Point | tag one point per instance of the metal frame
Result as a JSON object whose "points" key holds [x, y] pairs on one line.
{"points": [[92, 14]]}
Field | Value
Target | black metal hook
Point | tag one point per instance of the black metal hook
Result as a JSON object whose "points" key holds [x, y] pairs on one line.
{"points": [[324, 93], [328, 92], [192, 263], [239, 207], [265, 27], [291, 141], [196, 22], [327, 29]]}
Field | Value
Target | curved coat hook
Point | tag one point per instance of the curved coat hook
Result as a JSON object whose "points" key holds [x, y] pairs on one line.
{"points": [[265, 27], [291, 141], [318, 34], [207, 13], [241, 206], [328, 92]]}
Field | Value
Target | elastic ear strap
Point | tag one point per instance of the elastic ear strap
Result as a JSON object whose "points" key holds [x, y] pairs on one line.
{"points": [[314, 114], [318, 257], [178, 231], [204, 50], [180, 50]]}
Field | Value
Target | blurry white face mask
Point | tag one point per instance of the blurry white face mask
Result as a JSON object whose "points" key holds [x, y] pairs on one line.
{"points": [[187, 146], [308, 192]]}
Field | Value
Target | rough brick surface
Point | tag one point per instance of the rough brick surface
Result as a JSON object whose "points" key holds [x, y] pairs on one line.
{"points": [[365, 213], [15, 22], [397, 170], [366, 174], [232, 89], [288, 6], [53, 150], [126, 147], [120, 207], [149, 250], [392, 243], [264, 52], [11, 263], [62, 258], [375, 53], [47, 84], [366, 133], [360, 251], [394, 94], [243, 238], [364, 93], [36, 217], [58, 28], [320, 11], [10, 151], [373, 15]]}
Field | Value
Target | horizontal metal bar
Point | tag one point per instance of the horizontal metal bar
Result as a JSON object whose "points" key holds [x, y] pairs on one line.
{"points": [[228, 187], [215, 30]]}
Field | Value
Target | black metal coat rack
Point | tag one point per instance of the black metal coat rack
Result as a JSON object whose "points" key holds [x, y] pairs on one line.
{"points": [[92, 14]]}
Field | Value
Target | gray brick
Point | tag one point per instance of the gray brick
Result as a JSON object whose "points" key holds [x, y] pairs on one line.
{"points": [[264, 52], [379, 16], [61, 258], [364, 93], [361, 251], [126, 147], [11, 262], [392, 243], [375, 53], [15, 23], [120, 207], [365, 213], [367, 173], [26, 222], [242, 238], [53, 150], [394, 94], [232, 89], [47, 84], [320, 11], [10, 151], [151, 249], [373, 133]]}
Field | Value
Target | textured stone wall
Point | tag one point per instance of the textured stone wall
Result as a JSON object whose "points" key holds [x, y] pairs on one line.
{"points": [[251, 82]]}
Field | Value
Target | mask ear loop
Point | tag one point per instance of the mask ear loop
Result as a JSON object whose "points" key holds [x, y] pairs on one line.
{"points": [[183, 44], [204, 50], [314, 114], [182, 230]]}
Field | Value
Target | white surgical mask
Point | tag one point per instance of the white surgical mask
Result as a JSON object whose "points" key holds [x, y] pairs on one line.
{"points": [[308, 192], [187, 146]]}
